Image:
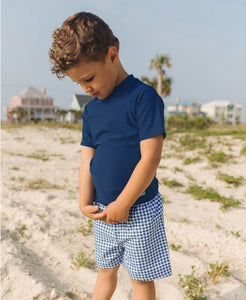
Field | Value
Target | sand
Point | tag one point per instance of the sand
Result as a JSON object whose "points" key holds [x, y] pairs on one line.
{"points": [[41, 219]]}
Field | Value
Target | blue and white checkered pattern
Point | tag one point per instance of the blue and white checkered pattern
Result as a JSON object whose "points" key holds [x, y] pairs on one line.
{"points": [[139, 244]]}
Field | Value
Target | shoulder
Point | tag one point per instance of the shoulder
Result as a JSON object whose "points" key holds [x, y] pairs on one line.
{"points": [[145, 95], [88, 107], [142, 90]]}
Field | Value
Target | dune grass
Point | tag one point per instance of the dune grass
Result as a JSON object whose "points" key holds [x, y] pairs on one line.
{"points": [[40, 184], [217, 270], [235, 181], [47, 124], [171, 183], [200, 193]]}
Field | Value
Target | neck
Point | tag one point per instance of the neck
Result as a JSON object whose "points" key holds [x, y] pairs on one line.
{"points": [[122, 74]]}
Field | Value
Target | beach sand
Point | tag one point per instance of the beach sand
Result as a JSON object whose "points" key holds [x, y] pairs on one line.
{"points": [[42, 224]]}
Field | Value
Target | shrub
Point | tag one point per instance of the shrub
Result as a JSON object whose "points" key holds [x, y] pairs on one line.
{"points": [[81, 260], [216, 271], [193, 286], [182, 122]]}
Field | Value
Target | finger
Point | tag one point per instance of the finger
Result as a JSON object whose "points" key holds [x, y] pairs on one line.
{"points": [[94, 208], [113, 222], [101, 215], [91, 209]]}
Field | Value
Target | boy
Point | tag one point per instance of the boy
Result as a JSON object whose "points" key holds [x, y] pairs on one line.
{"points": [[122, 139]]}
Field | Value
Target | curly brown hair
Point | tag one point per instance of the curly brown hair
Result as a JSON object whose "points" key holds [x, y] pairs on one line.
{"points": [[83, 36]]}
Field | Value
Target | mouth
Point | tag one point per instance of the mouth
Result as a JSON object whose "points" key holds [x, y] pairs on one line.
{"points": [[95, 94]]}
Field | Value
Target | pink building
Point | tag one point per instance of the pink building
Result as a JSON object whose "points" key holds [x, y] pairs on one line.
{"points": [[30, 105]]}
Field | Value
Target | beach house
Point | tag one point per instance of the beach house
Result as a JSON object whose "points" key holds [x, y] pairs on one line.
{"points": [[76, 107], [30, 105], [223, 111], [186, 107]]}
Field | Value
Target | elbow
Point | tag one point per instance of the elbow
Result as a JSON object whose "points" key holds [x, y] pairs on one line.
{"points": [[156, 160], [153, 159]]}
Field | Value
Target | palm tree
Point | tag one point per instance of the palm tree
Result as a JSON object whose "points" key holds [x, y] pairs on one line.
{"points": [[158, 63], [166, 84], [162, 84]]}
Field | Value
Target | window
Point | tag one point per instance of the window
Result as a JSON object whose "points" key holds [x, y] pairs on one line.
{"points": [[230, 107], [37, 101]]}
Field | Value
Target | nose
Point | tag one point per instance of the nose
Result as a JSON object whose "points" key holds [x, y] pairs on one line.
{"points": [[87, 88]]}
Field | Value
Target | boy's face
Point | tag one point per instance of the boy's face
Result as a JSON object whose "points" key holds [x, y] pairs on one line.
{"points": [[97, 78]]}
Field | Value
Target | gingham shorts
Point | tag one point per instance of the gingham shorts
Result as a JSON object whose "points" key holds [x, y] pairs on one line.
{"points": [[139, 244]]}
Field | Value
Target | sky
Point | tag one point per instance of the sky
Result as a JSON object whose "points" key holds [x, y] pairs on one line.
{"points": [[205, 40]]}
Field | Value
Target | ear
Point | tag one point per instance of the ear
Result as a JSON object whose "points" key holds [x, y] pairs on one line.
{"points": [[113, 55]]}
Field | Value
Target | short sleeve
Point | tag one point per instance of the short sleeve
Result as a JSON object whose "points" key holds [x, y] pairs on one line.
{"points": [[150, 115], [86, 134]]}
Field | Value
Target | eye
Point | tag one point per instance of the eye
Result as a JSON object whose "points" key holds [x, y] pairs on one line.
{"points": [[89, 79]]}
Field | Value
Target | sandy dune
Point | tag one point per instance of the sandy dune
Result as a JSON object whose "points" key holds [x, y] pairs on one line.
{"points": [[41, 219]]}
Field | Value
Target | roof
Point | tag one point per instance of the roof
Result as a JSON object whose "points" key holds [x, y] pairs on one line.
{"points": [[184, 102], [83, 99], [221, 103], [177, 112], [33, 93]]}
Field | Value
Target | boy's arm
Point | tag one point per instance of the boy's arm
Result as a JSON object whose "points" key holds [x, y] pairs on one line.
{"points": [[86, 187], [143, 174]]}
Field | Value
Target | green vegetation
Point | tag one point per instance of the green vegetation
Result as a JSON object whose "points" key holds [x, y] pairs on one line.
{"points": [[171, 183], [22, 230], [185, 220], [175, 248], [235, 181], [44, 124], [81, 260], [164, 200], [15, 169], [193, 286], [243, 151], [20, 179], [219, 157], [39, 184], [183, 123], [236, 234], [177, 169], [162, 83], [190, 177], [189, 160], [218, 270], [86, 228], [68, 140], [192, 142], [39, 155], [209, 193]]}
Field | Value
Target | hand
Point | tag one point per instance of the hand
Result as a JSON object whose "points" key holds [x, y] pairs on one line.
{"points": [[92, 212], [116, 212]]}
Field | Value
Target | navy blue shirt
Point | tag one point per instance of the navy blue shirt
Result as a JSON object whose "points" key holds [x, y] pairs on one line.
{"points": [[114, 127]]}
